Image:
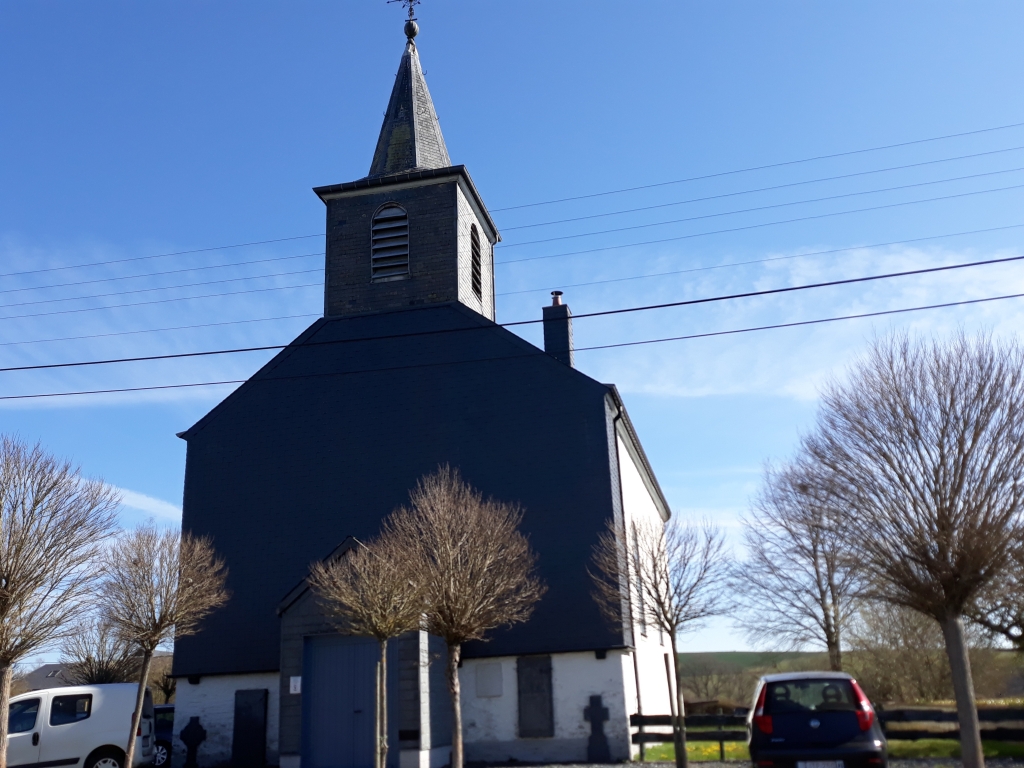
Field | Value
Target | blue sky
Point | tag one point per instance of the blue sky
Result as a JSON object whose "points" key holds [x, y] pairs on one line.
{"points": [[129, 130]]}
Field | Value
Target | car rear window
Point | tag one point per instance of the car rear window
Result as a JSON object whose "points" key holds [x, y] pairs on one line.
{"points": [[809, 696], [70, 709]]}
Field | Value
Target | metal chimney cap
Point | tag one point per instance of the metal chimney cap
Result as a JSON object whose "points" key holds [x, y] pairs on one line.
{"points": [[556, 298]]}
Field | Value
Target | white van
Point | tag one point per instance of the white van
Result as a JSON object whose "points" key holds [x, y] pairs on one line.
{"points": [[82, 725]]}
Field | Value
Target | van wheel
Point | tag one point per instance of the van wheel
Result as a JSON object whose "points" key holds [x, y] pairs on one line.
{"points": [[108, 757]]}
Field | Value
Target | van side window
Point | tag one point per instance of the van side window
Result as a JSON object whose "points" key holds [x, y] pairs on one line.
{"points": [[22, 715], [70, 709]]}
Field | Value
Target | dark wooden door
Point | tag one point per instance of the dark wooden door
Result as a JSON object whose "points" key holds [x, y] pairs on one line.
{"points": [[249, 739]]}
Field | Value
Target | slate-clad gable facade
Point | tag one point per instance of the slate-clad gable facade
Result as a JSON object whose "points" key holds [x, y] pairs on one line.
{"points": [[329, 437]]}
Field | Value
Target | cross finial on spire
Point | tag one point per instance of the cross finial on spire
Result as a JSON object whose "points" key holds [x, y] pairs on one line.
{"points": [[411, 27]]}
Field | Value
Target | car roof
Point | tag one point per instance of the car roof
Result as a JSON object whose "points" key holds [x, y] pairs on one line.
{"points": [[784, 676]]}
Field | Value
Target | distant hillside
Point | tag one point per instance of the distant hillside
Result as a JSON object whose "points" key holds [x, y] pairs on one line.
{"points": [[760, 661]]}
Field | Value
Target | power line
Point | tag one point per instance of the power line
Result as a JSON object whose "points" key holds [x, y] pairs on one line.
{"points": [[758, 189], [529, 205], [762, 261], [758, 226], [154, 330], [585, 315], [759, 167], [538, 353], [158, 255], [160, 288], [761, 208], [163, 301], [159, 274]]}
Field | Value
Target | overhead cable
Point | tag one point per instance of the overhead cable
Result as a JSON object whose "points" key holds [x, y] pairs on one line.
{"points": [[759, 226], [760, 167], [581, 316], [756, 190], [538, 353]]}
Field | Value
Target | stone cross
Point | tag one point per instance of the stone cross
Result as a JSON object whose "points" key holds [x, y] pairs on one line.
{"points": [[597, 745]]}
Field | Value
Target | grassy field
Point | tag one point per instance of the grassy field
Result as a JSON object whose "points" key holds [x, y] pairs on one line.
{"points": [[901, 750]]}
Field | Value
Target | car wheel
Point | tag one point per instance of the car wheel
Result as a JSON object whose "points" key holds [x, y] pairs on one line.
{"points": [[161, 754], [106, 758]]}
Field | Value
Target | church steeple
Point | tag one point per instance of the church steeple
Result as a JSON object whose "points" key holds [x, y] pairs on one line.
{"points": [[414, 231], [410, 138]]}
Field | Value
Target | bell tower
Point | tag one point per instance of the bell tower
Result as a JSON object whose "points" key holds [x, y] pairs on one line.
{"points": [[414, 230]]}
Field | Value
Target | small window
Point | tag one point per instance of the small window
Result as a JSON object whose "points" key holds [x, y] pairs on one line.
{"points": [[389, 244], [22, 715], [476, 271], [70, 709]]}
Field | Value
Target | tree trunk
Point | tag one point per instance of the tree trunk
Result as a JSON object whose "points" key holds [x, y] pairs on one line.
{"points": [[963, 689], [835, 656], [680, 729], [140, 698], [381, 755], [452, 670], [6, 674]]}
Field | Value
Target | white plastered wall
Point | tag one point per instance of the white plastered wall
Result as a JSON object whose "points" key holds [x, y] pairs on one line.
{"points": [[212, 700], [490, 708], [651, 645]]}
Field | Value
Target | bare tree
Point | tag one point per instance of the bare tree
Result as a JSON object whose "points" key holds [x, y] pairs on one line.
{"points": [[157, 585], [477, 570], [675, 577], [925, 446], [160, 677], [999, 607], [52, 523], [371, 591], [95, 653], [798, 585]]}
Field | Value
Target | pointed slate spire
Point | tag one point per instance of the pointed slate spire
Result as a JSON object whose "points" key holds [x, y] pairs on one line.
{"points": [[410, 138]]}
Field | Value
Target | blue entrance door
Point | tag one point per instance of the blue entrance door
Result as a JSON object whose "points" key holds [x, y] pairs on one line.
{"points": [[338, 695]]}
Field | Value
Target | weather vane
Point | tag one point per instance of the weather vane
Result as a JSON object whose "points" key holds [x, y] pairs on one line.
{"points": [[411, 27]]}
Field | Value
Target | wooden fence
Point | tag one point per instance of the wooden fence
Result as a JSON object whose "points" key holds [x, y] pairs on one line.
{"points": [[911, 724]]}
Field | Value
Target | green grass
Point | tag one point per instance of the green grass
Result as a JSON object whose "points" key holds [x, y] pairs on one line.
{"points": [[704, 751], [701, 751], [950, 748]]}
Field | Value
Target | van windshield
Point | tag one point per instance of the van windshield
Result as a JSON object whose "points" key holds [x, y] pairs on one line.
{"points": [[809, 696]]}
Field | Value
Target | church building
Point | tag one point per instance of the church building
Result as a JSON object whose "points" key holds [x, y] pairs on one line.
{"points": [[408, 370]]}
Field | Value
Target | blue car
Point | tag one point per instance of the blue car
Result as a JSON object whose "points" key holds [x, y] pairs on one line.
{"points": [[814, 720], [163, 716]]}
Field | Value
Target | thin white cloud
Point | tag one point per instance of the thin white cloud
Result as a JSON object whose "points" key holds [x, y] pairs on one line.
{"points": [[143, 503]]}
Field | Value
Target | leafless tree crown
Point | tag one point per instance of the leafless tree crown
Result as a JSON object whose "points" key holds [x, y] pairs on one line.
{"points": [[371, 590], [677, 573], [798, 584], [95, 654], [924, 445], [159, 584], [52, 523], [477, 569]]}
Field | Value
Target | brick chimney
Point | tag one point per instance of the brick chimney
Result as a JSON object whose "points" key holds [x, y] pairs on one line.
{"points": [[558, 330]]}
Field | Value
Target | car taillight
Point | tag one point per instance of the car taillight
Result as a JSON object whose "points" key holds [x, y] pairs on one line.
{"points": [[865, 713], [761, 720]]}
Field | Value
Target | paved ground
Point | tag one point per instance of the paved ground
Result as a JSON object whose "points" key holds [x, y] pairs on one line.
{"points": [[927, 762]]}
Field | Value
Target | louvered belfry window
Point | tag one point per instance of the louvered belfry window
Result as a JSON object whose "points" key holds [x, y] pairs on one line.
{"points": [[475, 268], [389, 244]]}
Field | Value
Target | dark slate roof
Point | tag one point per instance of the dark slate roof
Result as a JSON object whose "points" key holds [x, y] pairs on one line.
{"points": [[328, 438], [410, 138]]}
